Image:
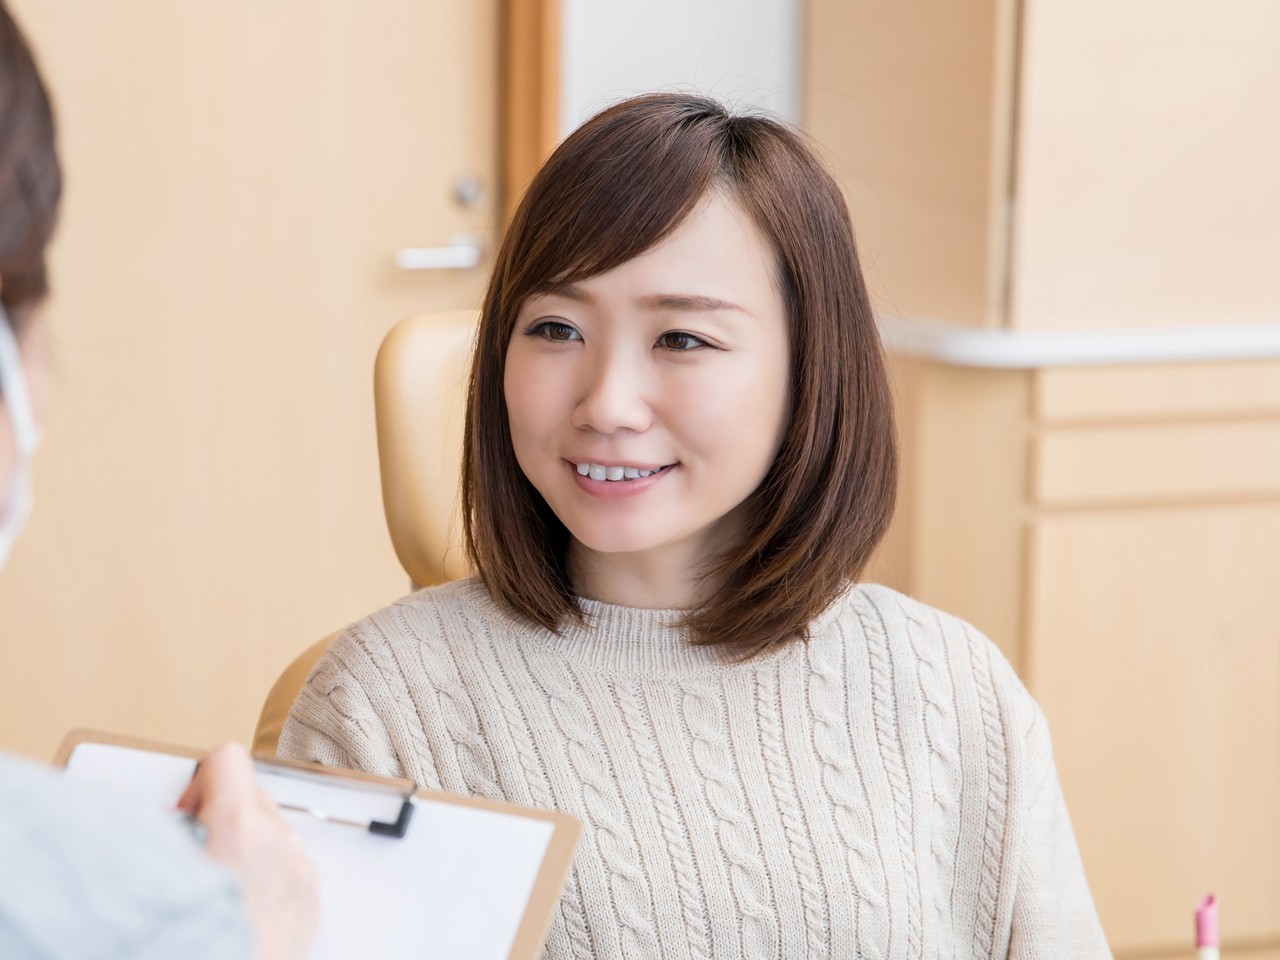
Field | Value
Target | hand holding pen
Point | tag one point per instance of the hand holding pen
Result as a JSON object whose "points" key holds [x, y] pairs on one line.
{"points": [[246, 833]]}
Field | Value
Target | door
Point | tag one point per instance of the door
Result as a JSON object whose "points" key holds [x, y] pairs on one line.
{"points": [[240, 176]]}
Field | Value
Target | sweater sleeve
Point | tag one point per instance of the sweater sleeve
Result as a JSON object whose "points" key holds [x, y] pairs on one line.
{"points": [[88, 874], [333, 721], [1053, 912]]}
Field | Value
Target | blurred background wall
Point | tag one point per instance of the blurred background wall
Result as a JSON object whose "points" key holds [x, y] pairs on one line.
{"points": [[1069, 218], [746, 52]]}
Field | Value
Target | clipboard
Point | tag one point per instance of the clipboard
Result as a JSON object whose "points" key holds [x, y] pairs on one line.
{"points": [[403, 871]]}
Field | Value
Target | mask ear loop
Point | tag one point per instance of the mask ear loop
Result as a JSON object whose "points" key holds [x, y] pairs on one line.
{"points": [[15, 494], [13, 391]]}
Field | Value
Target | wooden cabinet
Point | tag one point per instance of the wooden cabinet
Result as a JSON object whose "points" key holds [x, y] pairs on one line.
{"points": [[1143, 188], [1040, 164], [1128, 562], [1153, 644], [1153, 634], [1082, 179]]}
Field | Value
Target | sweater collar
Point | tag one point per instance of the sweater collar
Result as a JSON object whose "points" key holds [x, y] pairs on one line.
{"points": [[631, 640], [635, 640]]}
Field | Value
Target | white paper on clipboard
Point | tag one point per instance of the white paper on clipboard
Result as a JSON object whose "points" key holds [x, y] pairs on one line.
{"points": [[460, 884]]}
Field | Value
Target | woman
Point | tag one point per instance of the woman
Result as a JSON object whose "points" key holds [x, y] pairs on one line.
{"points": [[82, 876], [679, 456]]}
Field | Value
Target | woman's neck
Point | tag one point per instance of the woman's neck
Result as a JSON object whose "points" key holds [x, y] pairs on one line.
{"points": [[671, 576], [665, 578]]}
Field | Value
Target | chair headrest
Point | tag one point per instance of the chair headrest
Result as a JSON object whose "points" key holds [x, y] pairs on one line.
{"points": [[420, 383]]}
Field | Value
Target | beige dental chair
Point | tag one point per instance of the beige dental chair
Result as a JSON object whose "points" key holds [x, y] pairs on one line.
{"points": [[419, 383]]}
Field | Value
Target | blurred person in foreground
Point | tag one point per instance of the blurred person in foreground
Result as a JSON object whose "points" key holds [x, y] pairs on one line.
{"points": [[81, 876]]}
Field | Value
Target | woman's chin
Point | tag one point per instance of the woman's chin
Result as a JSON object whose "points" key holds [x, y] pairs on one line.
{"points": [[617, 543]]}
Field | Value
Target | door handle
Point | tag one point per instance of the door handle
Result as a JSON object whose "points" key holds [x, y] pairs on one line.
{"points": [[462, 253]]}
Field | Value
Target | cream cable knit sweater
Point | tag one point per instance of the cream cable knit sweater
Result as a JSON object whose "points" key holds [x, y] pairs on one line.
{"points": [[886, 790]]}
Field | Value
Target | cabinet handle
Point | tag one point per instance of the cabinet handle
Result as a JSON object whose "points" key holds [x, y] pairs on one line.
{"points": [[462, 253]]}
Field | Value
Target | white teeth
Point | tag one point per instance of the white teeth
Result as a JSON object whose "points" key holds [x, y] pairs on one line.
{"points": [[600, 471]]}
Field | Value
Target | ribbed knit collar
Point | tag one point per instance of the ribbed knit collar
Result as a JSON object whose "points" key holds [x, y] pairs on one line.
{"points": [[635, 640], [630, 640]]}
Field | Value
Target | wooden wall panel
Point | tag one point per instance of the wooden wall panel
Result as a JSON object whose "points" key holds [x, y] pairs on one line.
{"points": [[911, 104]]}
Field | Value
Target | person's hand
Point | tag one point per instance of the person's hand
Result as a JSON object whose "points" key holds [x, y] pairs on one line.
{"points": [[247, 833]]}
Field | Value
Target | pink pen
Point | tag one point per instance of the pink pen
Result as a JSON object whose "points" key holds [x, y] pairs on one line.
{"points": [[1207, 942]]}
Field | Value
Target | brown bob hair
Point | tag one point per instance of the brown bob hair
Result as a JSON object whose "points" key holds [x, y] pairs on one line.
{"points": [[618, 185], [30, 176]]}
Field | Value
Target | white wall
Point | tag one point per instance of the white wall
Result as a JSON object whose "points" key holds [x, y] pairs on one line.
{"points": [[745, 52]]}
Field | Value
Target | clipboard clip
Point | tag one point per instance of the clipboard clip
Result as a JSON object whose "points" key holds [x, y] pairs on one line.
{"points": [[396, 829], [405, 791]]}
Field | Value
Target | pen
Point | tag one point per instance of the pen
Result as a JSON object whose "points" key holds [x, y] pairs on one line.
{"points": [[1207, 941], [199, 832]]}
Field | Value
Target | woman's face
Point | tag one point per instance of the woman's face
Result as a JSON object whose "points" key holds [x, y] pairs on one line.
{"points": [[647, 403]]}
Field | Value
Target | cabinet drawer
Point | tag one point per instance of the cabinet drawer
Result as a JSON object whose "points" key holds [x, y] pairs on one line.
{"points": [[1161, 392], [1094, 465]]}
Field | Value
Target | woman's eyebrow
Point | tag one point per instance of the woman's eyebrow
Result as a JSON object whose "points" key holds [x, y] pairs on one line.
{"points": [[687, 302], [676, 302], [569, 292]]}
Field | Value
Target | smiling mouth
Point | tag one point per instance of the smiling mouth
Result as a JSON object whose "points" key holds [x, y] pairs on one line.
{"points": [[601, 471]]}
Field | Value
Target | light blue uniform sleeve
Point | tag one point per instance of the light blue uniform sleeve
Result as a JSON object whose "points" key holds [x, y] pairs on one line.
{"points": [[84, 877]]}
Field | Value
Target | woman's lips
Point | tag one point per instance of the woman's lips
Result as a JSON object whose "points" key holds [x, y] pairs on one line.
{"points": [[614, 489]]}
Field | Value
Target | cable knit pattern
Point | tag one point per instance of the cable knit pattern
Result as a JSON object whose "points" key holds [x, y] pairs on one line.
{"points": [[887, 730], [843, 791], [372, 644], [750, 886], [572, 925], [470, 752], [688, 891], [775, 762], [944, 773], [996, 793], [882, 792], [614, 840]]}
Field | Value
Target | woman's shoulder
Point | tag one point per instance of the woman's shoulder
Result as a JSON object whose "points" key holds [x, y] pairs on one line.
{"points": [[937, 645], [378, 675], [385, 641], [427, 613], [877, 608]]}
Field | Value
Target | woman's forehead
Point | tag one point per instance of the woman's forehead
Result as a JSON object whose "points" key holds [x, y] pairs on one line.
{"points": [[716, 259]]}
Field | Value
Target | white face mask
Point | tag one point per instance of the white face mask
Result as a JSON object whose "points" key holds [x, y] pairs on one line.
{"points": [[15, 503]]}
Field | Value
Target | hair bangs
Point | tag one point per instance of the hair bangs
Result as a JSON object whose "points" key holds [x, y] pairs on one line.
{"points": [[615, 188]]}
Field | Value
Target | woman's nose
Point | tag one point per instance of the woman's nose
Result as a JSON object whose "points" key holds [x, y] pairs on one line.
{"points": [[613, 396]]}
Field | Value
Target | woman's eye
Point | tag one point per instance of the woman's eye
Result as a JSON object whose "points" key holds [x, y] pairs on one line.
{"points": [[680, 341], [554, 330]]}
